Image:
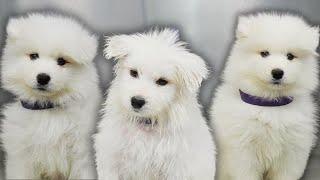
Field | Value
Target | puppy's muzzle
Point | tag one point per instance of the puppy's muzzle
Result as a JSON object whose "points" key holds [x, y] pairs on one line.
{"points": [[137, 102]]}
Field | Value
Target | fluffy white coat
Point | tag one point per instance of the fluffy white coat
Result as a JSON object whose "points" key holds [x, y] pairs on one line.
{"points": [[52, 143], [178, 144], [256, 142]]}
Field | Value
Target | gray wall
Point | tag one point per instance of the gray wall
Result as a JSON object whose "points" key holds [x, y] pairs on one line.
{"points": [[207, 25]]}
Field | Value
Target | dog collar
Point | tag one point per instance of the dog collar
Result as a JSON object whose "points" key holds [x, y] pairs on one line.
{"points": [[260, 101], [148, 122], [37, 105]]}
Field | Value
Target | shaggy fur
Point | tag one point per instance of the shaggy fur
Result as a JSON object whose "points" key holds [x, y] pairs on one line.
{"points": [[177, 143], [257, 142], [51, 143]]}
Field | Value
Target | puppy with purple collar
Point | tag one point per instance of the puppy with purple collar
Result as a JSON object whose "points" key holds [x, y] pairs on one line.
{"points": [[152, 126], [47, 64], [263, 112]]}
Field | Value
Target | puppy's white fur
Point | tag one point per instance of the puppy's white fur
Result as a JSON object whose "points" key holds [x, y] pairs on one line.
{"points": [[178, 144], [258, 142], [52, 143]]}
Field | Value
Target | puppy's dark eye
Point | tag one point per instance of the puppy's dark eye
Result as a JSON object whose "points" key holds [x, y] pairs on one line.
{"points": [[61, 61], [34, 56], [290, 56], [134, 73], [264, 54], [162, 82]]}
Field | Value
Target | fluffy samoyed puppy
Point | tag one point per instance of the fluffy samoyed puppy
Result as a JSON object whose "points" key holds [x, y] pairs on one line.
{"points": [[152, 127], [263, 113], [47, 64]]}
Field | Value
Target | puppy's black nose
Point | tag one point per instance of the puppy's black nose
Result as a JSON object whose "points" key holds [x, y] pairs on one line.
{"points": [[43, 78], [137, 102], [277, 73]]}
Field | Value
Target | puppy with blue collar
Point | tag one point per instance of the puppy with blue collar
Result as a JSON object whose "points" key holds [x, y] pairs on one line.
{"points": [[47, 64], [263, 112]]}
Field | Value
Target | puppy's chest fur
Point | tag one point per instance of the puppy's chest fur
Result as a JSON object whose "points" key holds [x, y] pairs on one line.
{"points": [[44, 138], [267, 132], [148, 151], [271, 128]]}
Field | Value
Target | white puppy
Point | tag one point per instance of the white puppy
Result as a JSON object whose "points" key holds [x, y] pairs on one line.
{"points": [[152, 126], [263, 113], [47, 64]]}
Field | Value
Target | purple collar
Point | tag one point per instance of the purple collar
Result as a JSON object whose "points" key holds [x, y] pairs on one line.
{"points": [[37, 105], [260, 101]]}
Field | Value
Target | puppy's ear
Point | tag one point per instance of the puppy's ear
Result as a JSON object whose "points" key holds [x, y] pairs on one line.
{"points": [[192, 72], [315, 31], [242, 30], [116, 47], [13, 28]]}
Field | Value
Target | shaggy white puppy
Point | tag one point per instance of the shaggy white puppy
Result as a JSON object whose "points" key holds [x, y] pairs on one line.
{"points": [[263, 113], [47, 64], [152, 126]]}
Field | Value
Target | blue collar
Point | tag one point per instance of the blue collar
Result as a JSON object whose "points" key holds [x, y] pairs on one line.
{"points": [[260, 101], [37, 105]]}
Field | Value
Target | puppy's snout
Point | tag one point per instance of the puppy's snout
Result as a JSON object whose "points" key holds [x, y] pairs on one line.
{"points": [[137, 102], [277, 73], [43, 78]]}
